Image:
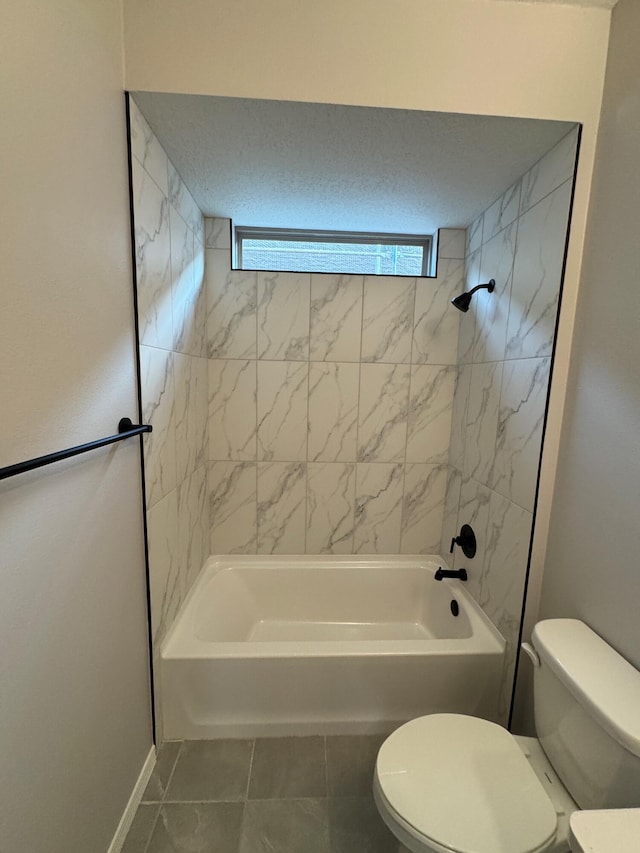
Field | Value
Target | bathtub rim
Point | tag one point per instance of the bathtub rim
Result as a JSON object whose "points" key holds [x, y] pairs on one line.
{"points": [[485, 638]]}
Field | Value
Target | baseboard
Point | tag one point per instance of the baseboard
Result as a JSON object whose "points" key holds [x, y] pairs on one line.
{"points": [[134, 801]]}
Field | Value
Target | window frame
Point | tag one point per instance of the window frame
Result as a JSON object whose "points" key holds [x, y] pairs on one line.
{"points": [[426, 241]]}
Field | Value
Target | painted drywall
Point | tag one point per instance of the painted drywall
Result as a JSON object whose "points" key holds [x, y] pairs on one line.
{"points": [[75, 724], [592, 560], [329, 166], [470, 56]]}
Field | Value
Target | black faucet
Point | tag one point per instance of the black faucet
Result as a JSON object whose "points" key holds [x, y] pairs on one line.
{"points": [[461, 574]]}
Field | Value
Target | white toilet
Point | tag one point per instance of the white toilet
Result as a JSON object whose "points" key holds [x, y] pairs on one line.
{"points": [[448, 783]]}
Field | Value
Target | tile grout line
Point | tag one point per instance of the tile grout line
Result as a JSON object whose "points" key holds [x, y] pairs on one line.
{"points": [[240, 802], [253, 752], [162, 801], [173, 770], [326, 766], [153, 829], [357, 452]]}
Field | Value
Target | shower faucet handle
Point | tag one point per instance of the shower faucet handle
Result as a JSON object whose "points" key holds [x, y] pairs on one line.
{"points": [[466, 540]]}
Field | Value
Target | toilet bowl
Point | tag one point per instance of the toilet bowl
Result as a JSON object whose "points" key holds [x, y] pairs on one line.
{"points": [[449, 783]]}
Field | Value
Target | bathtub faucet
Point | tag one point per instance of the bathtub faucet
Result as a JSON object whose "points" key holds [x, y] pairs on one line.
{"points": [[461, 574]]}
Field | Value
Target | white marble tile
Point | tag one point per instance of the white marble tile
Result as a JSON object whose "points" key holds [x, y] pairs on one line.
{"points": [[198, 230], [450, 512], [336, 317], [146, 148], [482, 420], [153, 260], [519, 432], [196, 343], [232, 409], [333, 411], [217, 233], [430, 410], [233, 507], [193, 525], [502, 212], [158, 409], [506, 555], [191, 395], [474, 510], [185, 289], [506, 686], [458, 437], [382, 419], [283, 315], [436, 321], [282, 488], [387, 319], [183, 201], [452, 243], [166, 585], [330, 507], [537, 276], [231, 308], [423, 508], [493, 308], [282, 411], [378, 515], [472, 319], [474, 235], [553, 169]]}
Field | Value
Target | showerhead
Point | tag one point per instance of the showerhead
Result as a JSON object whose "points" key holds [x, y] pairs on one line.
{"points": [[463, 301]]}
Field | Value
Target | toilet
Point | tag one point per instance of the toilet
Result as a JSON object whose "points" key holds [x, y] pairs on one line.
{"points": [[449, 783]]}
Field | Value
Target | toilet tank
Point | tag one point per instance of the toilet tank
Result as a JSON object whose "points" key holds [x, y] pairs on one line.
{"points": [[587, 714]]}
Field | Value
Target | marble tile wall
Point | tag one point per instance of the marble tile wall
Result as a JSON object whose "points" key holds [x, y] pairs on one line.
{"points": [[505, 344], [330, 402], [169, 246]]}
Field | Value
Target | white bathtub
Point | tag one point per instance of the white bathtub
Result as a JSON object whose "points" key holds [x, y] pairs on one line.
{"points": [[298, 645]]}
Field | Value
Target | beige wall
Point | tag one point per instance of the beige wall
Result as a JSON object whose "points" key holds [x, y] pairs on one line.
{"points": [[75, 721], [470, 56], [592, 561]]}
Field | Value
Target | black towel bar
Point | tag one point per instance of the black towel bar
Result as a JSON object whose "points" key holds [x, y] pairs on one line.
{"points": [[125, 430]]}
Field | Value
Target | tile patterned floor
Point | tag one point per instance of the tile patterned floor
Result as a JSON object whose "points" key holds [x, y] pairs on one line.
{"points": [[268, 795]]}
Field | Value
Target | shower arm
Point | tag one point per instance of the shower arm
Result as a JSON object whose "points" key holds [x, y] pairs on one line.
{"points": [[489, 285]]}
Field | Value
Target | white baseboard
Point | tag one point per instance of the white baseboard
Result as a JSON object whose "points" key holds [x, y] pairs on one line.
{"points": [[134, 801]]}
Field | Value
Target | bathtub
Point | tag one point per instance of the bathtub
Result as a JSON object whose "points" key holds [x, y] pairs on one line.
{"points": [[292, 645]]}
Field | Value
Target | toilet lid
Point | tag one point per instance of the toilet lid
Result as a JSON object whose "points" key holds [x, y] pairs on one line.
{"points": [[464, 784]]}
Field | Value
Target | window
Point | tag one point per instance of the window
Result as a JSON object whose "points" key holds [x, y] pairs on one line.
{"points": [[332, 251]]}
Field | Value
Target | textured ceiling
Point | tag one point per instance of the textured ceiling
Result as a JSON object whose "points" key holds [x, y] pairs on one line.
{"points": [[322, 166]]}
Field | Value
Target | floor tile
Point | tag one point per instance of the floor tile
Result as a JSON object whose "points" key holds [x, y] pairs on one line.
{"points": [[285, 826], [350, 764], [197, 828], [288, 767], [141, 829], [165, 762], [211, 770], [355, 825]]}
